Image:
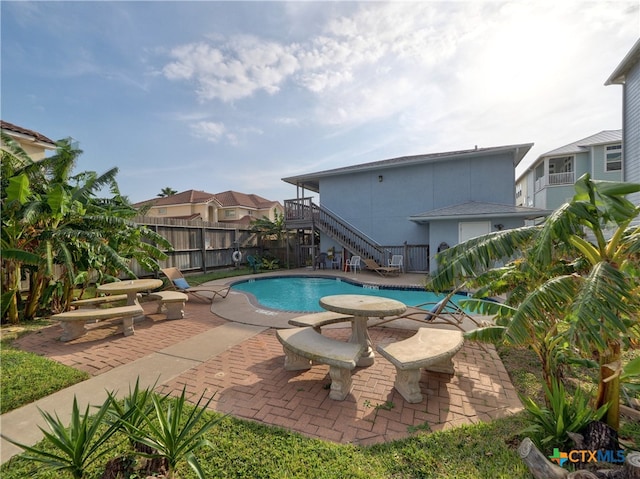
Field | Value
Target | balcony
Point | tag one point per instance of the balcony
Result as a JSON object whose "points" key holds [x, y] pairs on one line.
{"points": [[555, 179]]}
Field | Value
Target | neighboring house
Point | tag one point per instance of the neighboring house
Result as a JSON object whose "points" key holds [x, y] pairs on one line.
{"points": [[549, 182], [434, 199], [33, 143], [627, 74], [225, 207]]}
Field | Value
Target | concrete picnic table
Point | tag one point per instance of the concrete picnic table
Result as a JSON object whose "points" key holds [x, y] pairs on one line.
{"points": [[361, 307], [130, 287]]}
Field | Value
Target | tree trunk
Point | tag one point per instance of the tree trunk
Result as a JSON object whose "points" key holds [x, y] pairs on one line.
{"points": [[33, 300], [12, 270], [538, 464], [609, 384], [632, 465]]}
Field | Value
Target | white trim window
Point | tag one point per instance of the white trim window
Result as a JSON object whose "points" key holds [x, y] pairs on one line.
{"points": [[613, 158]]}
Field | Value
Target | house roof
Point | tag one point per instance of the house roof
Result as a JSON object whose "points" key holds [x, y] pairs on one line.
{"points": [[582, 146], [234, 198], [182, 198], [478, 210], [27, 134], [619, 75], [311, 181]]}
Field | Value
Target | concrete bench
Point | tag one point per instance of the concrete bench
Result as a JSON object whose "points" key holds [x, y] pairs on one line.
{"points": [[430, 348], [98, 301], [172, 301], [317, 320], [303, 345], [73, 322]]}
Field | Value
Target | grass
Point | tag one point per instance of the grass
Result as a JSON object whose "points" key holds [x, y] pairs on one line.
{"points": [[27, 377], [247, 449]]}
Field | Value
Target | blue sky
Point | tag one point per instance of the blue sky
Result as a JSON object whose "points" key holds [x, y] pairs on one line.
{"points": [[220, 96]]}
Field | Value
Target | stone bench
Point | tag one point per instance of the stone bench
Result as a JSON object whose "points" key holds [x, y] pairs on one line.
{"points": [[304, 345], [430, 348], [73, 322], [317, 320], [172, 301], [98, 301]]}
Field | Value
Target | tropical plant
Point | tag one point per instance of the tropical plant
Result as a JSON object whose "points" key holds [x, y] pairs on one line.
{"points": [[75, 447], [168, 191], [270, 229], [130, 413], [173, 433], [50, 218], [572, 282], [566, 413]]}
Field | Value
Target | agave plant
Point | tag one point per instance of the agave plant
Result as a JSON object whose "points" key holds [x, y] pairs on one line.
{"points": [[130, 414], [173, 433], [75, 447]]}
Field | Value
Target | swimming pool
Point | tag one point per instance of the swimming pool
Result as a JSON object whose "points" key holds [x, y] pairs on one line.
{"points": [[302, 293]]}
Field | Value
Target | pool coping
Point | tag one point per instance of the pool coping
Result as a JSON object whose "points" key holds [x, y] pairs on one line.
{"points": [[238, 306]]}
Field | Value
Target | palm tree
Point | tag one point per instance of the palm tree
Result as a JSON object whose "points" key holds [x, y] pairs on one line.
{"points": [[168, 191], [579, 281]]}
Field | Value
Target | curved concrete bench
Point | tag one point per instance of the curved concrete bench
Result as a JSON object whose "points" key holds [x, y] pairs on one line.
{"points": [[73, 322], [304, 345], [430, 348], [317, 320], [172, 301]]}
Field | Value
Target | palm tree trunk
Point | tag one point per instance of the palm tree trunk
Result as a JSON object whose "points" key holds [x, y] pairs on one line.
{"points": [[35, 294], [12, 270], [609, 384]]}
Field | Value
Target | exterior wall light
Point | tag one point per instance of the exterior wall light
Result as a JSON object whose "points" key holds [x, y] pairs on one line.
{"points": [[380, 178]]}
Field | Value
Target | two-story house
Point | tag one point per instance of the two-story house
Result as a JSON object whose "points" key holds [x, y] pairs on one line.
{"points": [[436, 200], [225, 207], [33, 143], [627, 74], [548, 182]]}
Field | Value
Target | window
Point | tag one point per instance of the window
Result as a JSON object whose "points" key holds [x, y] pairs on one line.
{"points": [[613, 158], [162, 211], [229, 213]]}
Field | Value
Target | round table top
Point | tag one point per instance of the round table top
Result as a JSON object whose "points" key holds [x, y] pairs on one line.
{"points": [[130, 286], [363, 305]]}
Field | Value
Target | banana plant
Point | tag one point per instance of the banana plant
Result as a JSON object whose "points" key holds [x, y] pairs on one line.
{"points": [[581, 291]]}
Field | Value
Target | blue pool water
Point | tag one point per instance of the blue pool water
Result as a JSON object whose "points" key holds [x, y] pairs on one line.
{"points": [[302, 293]]}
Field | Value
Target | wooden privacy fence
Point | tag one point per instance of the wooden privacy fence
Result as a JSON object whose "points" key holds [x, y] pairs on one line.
{"points": [[200, 246]]}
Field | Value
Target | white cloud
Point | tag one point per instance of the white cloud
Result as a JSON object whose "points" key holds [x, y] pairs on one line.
{"points": [[209, 131]]}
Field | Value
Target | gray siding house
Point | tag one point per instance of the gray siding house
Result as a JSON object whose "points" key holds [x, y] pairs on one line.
{"points": [[548, 182], [627, 74], [437, 200]]}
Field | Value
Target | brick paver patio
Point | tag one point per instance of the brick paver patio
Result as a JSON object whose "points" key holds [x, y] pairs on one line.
{"points": [[249, 381]]}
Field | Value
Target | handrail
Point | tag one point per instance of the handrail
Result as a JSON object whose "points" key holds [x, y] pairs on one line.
{"points": [[304, 209]]}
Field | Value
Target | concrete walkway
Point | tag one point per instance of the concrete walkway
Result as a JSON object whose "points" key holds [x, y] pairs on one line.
{"points": [[229, 350]]}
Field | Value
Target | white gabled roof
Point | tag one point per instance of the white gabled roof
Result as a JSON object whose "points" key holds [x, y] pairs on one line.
{"points": [[619, 75], [582, 146]]}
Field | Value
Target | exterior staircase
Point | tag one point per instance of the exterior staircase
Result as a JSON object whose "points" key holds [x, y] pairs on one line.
{"points": [[303, 213]]}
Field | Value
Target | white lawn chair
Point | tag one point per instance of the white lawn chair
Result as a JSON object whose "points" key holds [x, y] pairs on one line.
{"points": [[353, 264], [396, 262]]}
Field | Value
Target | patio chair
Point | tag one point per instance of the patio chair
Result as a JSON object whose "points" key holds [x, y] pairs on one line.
{"points": [[353, 264], [444, 312], [254, 263], [397, 262], [179, 283], [381, 270], [321, 261]]}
